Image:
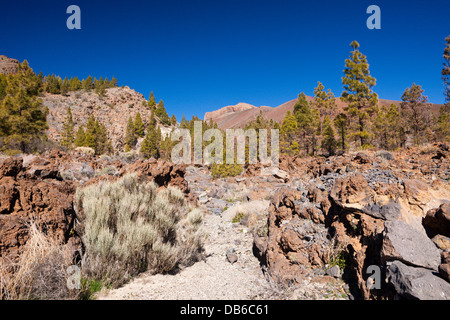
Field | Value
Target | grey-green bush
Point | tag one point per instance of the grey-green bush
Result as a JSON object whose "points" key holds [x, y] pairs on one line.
{"points": [[129, 226]]}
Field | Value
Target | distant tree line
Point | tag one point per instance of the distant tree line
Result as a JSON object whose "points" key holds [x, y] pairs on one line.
{"points": [[319, 126], [55, 85]]}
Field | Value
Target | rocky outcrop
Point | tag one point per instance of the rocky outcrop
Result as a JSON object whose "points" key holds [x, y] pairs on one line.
{"points": [[8, 65], [411, 246], [162, 172], [417, 283], [113, 110], [437, 221], [371, 206], [33, 193]]}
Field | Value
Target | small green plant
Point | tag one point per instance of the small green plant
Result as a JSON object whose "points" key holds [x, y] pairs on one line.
{"points": [[89, 287], [225, 170], [341, 260], [238, 217]]}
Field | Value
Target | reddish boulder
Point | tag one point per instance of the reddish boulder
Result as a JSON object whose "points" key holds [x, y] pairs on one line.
{"points": [[26, 198], [437, 221], [162, 172]]}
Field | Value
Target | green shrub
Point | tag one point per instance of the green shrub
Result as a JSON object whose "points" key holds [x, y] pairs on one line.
{"points": [[129, 227], [225, 170], [238, 217]]}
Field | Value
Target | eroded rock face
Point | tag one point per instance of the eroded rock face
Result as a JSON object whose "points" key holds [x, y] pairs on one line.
{"points": [[372, 206], [437, 221], [295, 243], [32, 194], [162, 172]]}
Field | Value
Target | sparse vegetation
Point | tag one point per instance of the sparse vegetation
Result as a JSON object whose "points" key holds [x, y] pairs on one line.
{"points": [[128, 227], [41, 271], [225, 170]]}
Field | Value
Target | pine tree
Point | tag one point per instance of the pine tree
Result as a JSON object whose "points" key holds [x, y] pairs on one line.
{"points": [[80, 138], [446, 71], [173, 120], [90, 133], [65, 86], [184, 123], [100, 87], [3, 84], [139, 125], [415, 111], [308, 121], [22, 117], [340, 122], [358, 84], [288, 135], [130, 135], [161, 113], [75, 84], [387, 127], [152, 101], [443, 121], [52, 84], [113, 83], [87, 84], [151, 145], [443, 124], [324, 101], [102, 144], [329, 142], [67, 137]]}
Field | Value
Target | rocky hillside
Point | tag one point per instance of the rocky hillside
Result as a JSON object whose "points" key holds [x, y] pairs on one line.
{"points": [[113, 110], [8, 65]]}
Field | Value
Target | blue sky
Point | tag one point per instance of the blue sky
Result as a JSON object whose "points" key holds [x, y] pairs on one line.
{"points": [[199, 56]]}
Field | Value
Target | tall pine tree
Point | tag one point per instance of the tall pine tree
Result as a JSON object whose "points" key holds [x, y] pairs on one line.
{"points": [[289, 135], [80, 138], [341, 123], [139, 125], [152, 142], [358, 84], [130, 135], [22, 117], [415, 111], [329, 142], [446, 71], [152, 101], [67, 137], [161, 113]]}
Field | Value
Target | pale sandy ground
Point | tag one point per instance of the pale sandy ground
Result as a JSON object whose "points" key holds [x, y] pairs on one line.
{"points": [[213, 279]]}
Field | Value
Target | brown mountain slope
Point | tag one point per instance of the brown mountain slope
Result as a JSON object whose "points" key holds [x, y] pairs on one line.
{"points": [[236, 116], [231, 117]]}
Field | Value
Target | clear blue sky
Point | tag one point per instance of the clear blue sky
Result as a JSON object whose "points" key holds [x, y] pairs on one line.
{"points": [[202, 55]]}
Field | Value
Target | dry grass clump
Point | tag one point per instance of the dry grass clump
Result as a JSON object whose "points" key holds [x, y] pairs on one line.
{"points": [[40, 273], [129, 227]]}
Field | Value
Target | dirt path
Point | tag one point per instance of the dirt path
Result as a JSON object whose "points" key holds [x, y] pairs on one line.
{"points": [[215, 278]]}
